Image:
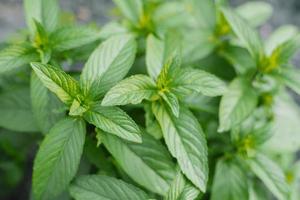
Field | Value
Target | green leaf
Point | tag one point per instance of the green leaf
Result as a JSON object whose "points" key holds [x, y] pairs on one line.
{"points": [[111, 29], [239, 58], [172, 101], [291, 78], [197, 45], [149, 163], [108, 64], [255, 12], [186, 142], [58, 158], [46, 107], [131, 9], [204, 12], [169, 71], [271, 175], [70, 37], [194, 80], [237, 104], [16, 56], [15, 109], [230, 182], [57, 81], [248, 37], [159, 51], [181, 189], [77, 109], [279, 36], [152, 126], [103, 187], [132, 90], [44, 11], [115, 121]]}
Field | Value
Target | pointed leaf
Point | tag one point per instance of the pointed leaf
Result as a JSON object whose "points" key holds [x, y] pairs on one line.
{"points": [[115, 121], [15, 57], [237, 104], [57, 81], [255, 12], [108, 64], [245, 33], [103, 187], [271, 175], [186, 142], [70, 37], [172, 101], [44, 11], [230, 182], [291, 77], [149, 163], [132, 90], [195, 80], [58, 158]]}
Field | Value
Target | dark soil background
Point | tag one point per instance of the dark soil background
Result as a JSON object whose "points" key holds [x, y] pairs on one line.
{"points": [[99, 11]]}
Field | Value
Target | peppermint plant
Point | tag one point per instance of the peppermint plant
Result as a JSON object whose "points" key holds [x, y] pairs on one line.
{"points": [[172, 100]]}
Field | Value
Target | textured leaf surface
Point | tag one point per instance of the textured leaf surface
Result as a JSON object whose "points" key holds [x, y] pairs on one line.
{"points": [[195, 80], [98, 187], [15, 57], [236, 104], [255, 12], [70, 37], [131, 9], [186, 142], [245, 33], [230, 182], [44, 11], [57, 81], [291, 78], [271, 175], [172, 101], [15, 109], [46, 107], [108, 64], [132, 90], [58, 158], [149, 163], [115, 121]]}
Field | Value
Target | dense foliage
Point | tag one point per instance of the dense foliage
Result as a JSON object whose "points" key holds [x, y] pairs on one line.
{"points": [[177, 100]]}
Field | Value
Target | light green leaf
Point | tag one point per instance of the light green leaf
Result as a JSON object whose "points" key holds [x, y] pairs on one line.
{"points": [[99, 187], [44, 11], [131, 9], [169, 71], [77, 109], [186, 142], [57, 81], [15, 109], [279, 36], [194, 80], [230, 182], [204, 12], [255, 12], [115, 121], [249, 37], [149, 163], [197, 45], [291, 78], [152, 126], [16, 56], [237, 104], [111, 29], [239, 58], [132, 90], [46, 107], [70, 37], [271, 175], [181, 189], [108, 64], [286, 126], [159, 51], [58, 158], [172, 101]]}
